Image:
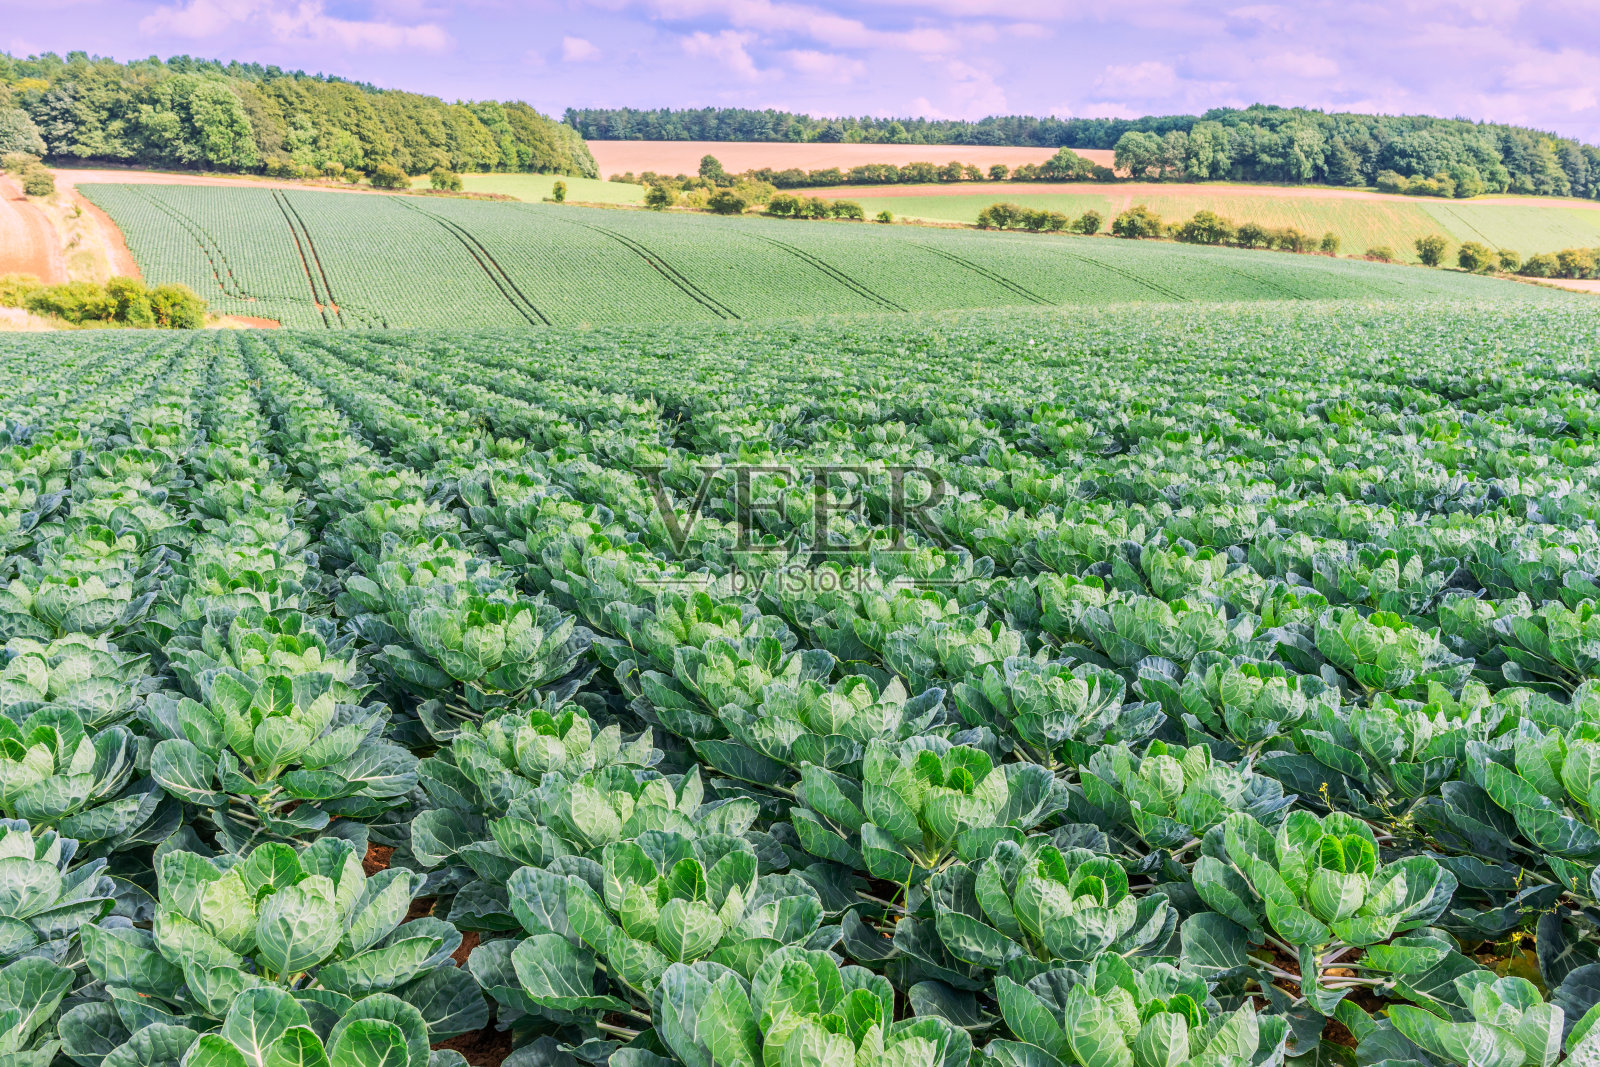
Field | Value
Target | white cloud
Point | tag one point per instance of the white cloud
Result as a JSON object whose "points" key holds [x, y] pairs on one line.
{"points": [[1149, 78], [727, 48], [824, 27], [578, 50], [292, 21], [825, 66]]}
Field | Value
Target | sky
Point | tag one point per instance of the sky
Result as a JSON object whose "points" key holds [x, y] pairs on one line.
{"points": [[1530, 62]]}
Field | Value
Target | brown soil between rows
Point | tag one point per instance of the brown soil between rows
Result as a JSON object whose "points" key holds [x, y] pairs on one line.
{"points": [[27, 240]]}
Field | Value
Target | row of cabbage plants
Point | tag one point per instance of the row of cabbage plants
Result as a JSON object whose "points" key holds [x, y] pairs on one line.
{"points": [[1245, 722]]}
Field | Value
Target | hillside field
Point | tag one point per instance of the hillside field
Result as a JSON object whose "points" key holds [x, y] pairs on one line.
{"points": [[1362, 220], [534, 188], [316, 259], [399, 692]]}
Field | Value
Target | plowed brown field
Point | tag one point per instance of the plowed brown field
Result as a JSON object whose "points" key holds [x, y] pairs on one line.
{"points": [[683, 157]]}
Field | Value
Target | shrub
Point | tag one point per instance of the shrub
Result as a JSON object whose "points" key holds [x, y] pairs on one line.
{"points": [[1509, 260], [130, 302], [558, 192], [1138, 221], [76, 302], [1381, 253], [1330, 243], [16, 288], [1206, 228], [38, 182], [177, 307], [1289, 239], [444, 179], [726, 202], [388, 176], [783, 206], [1001, 216], [1089, 223], [18, 162], [1042, 220], [1575, 262], [1431, 248], [846, 209], [999, 172], [1543, 265], [1251, 235], [884, 216], [1475, 256], [660, 196], [1389, 181]]}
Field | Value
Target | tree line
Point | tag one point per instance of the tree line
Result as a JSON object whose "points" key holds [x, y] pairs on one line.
{"points": [[1258, 143], [202, 114]]}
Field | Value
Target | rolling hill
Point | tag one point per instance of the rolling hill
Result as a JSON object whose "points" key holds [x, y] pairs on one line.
{"points": [[1361, 219], [320, 259]]}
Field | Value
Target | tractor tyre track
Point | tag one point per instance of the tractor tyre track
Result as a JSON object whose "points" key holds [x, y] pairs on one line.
{"points": [[485, 259]]}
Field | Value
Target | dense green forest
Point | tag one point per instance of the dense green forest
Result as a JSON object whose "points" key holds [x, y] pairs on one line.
{"points": [[1259, 143], [188, 112]]}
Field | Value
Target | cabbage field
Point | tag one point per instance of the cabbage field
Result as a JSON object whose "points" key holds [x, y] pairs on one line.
{"points": [[326, 260], [1006, 688]]}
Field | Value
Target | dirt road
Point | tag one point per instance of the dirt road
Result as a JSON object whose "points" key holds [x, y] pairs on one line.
{"points": [[27, 240]]}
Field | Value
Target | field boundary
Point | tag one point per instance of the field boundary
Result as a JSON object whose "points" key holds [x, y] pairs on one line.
{"points": [[485, 259]]}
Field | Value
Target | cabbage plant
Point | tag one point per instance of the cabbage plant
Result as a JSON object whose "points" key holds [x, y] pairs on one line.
{"points": [[799, 1008], [309, 925], [1317, 889], [1111, 1013]]}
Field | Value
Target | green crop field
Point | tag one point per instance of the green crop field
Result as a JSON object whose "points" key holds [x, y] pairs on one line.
{"points": [[315, 259], [1528, 227], [535, 187], [1133, 686]]}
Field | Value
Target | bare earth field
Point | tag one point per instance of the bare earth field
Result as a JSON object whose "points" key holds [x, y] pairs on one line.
{"points": [[1132, 192], [27, 239], [683, 157]]}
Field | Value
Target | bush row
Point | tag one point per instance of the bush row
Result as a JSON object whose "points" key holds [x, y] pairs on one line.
{"points": [[119, 302]]}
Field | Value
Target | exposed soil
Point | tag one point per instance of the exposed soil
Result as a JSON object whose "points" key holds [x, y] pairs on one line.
{"points": [[469, 941], [122, 262], [248, 322], [1582, 285], [1127, 193], [683, 157], [27, 240], [482, 1048], [377, 859], [17, 320], [72, 177]]}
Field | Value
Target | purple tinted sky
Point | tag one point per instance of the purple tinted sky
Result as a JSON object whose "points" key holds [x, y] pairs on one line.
{"points": [[1535, 62]]}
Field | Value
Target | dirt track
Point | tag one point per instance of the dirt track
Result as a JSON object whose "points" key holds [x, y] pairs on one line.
{"points": [[74, 177], [683, 157], [27, 240]]}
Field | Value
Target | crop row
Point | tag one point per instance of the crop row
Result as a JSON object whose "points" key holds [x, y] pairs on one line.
{"points": [[1104, 692]]}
